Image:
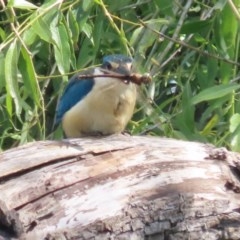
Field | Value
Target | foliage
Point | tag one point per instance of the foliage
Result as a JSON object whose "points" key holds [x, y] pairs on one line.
{"points": [[191, 48]]}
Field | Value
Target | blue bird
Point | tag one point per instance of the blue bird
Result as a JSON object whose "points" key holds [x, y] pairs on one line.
{"points": [[98, 105]]}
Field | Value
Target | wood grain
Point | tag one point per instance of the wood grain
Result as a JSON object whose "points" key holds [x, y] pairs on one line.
{"points": [[119, 187]]}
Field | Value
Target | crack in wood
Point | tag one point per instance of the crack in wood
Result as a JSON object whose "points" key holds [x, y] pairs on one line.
{"points": [[57, 160], [30, 169], [48, 183]]}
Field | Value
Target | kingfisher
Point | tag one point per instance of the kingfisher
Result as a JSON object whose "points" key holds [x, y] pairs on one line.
{"points": [[97, 101]]}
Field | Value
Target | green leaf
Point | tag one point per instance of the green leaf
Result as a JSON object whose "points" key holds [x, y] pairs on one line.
{"points": [[85, 56], [227, 39], [214, 93], [21, 4], [188, 109], [195, 26], [29, 77], [73, 26], [3, 35], [41, 26], [229, 33], [97, 33], [184, 121], [2, 72], [234, 128], [86, 4], [12, 78], [9, 104], [234, 122], [61, 48], [165, 6], [144, 38], [211, 124], [50, 3], [87, 29], [72, 45], [212, 68], [29, 36], [83, 13], [135, 36]]}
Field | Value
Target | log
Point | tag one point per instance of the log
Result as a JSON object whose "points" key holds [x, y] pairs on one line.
{"points": [[119, 187]]}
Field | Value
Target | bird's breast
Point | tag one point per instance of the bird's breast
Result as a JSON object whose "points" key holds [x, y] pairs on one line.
{"points": [[105, 110]]}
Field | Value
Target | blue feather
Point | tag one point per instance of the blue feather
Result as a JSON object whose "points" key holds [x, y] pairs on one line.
{"points": [[121, 66], [75, 91], [117, 58]]}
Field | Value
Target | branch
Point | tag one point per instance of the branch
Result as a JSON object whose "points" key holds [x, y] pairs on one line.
{"points": [[134, 78], [184, 44]]}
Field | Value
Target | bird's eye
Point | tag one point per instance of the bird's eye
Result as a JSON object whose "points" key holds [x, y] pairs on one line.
{"points": [[108, 66]]}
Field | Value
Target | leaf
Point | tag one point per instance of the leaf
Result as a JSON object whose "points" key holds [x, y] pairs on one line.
{"points": [[234, 128], [9, 104], [195, 26], [73, 26], [188, 109], [29, 77], [214, 93], [61, 48], [234, 122], [21, 4], [87, 29], [184, 121], [227, 38], [41, 26], [72, 45], [208, 128], [2, 72], [86, 5], [98, 28], [50, 3], [135, 35], [229, 33], [29, 36], [166, 6], [144, 38], [83, 13], [12, 78], [3, 35], [212, 68]]}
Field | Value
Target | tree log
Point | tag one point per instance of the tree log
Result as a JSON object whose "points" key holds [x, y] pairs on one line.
{"points": [[119, 187]]}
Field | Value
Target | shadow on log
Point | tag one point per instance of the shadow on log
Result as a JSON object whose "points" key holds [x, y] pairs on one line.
{"points": [[119, 187]]}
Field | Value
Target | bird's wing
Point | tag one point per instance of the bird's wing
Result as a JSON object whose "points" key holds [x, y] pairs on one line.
{"points": [[76, 90]]}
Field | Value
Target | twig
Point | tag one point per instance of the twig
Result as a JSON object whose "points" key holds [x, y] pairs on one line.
{"points": [[234, 8], [134, 78], [177, 30], [184, 44]]}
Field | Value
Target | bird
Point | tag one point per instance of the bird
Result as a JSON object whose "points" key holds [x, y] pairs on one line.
{"points": [[100, 103]]}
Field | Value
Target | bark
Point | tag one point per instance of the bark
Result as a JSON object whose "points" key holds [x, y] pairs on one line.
{"points": [[119, 187]]}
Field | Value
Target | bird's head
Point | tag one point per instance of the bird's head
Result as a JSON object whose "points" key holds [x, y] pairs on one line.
{"points": [[118, 64]]}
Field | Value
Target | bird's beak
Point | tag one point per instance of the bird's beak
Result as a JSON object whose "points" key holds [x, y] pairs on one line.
{"points": [[122, 69], [125, 69]]}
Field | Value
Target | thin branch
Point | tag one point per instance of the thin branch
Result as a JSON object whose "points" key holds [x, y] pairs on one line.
{"points": [[166, 50], [25, 26], [134, 78], [235, 10], [184, 44]]}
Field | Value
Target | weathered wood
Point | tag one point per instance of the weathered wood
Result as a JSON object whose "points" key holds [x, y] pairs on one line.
{"points": [[119, 187]]}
